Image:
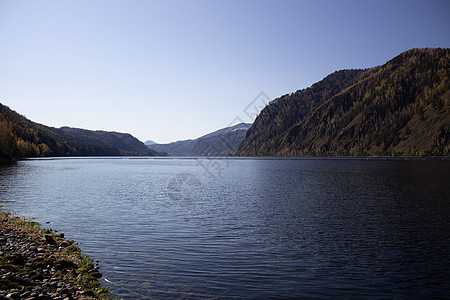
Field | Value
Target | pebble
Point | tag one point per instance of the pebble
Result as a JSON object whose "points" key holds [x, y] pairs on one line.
{"points": [[65, 244]]}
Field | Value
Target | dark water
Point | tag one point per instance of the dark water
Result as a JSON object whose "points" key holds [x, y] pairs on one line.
{"points": [[206, 228]]}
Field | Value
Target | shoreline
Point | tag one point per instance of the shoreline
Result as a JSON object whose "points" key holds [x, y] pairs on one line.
{"points": [[231, 157], [38, 263]]}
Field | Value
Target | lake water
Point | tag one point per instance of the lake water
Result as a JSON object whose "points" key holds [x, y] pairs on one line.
{"points": [[248, 228]]}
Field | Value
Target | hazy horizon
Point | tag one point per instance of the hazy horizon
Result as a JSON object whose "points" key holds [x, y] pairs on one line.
{"points": [[176, 70]]}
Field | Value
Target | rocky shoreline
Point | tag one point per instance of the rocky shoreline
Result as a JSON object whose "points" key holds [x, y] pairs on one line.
{"points": [[38, 263]]}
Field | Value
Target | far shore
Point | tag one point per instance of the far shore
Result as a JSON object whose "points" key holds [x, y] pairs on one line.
{"points": [[11, 161]]}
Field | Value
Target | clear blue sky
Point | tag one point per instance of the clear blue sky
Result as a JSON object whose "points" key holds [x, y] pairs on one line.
{"points": [[171, 70]]}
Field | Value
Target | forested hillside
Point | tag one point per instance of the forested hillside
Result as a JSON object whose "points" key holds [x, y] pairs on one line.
{"points": [[400, 108], [20, 137]]}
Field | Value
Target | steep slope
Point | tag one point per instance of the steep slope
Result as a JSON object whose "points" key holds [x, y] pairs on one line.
{"points": [[218, 143], [400, 108], [20, 137]]}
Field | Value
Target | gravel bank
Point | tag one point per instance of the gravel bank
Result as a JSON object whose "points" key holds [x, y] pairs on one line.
{"points": [[37, 263]]}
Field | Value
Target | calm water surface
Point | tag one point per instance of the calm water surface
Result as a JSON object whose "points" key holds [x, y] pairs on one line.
{"points": [[248, 228]]}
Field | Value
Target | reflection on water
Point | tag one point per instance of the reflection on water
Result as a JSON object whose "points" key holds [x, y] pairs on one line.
{"points": [[165, 228]]}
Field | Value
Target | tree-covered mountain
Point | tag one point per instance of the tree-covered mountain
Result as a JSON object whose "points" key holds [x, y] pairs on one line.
{"points": [[20, 137], [218, 143], [399, 108]]}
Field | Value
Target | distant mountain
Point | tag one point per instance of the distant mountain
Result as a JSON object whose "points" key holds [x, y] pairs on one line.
{"points": [[399, 108], [218, 143], [149, 142], [20, 137]]}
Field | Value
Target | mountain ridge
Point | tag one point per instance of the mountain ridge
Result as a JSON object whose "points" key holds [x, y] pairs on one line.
{"points": [[217, 143], [149, 142], [399, 108], [21, 137]]}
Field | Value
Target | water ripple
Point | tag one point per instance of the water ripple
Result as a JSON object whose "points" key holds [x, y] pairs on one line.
{"points": [[161, 228]]}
